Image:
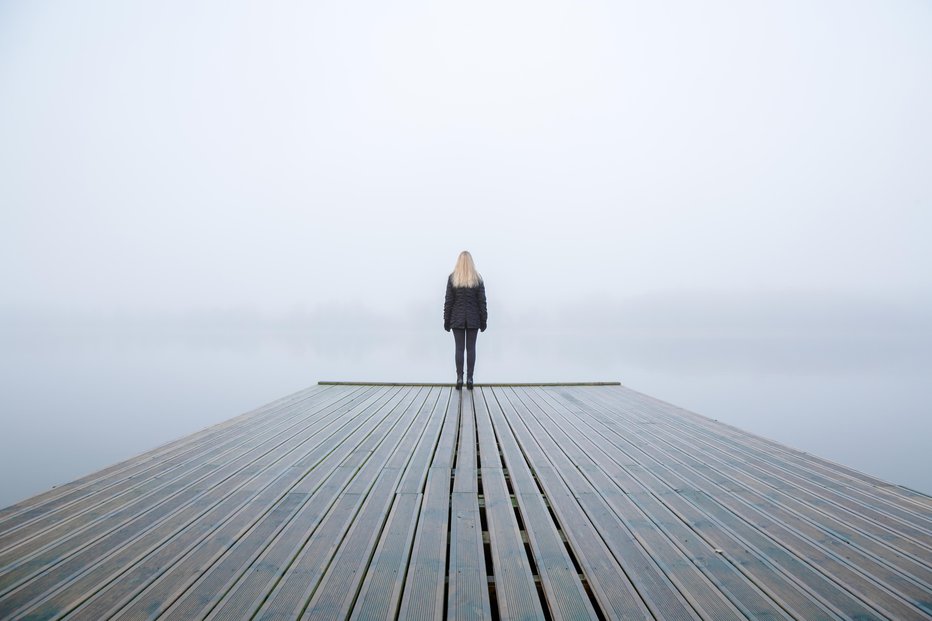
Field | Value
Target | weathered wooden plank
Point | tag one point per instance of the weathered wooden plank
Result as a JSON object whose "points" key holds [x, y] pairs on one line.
{"points": [[602, 541], [741, 537], [516, 592], [666, 489], [651, 519], [886, 589], [834, 541], [415, 476], [446, 446], [336, 591], [206, 486], [465, 480], [167, 588], [637, 539], [36, 532], [564, 593], [904, 555], [373, 486], [61, 496], [489, 450], [890, 493], [157, 585], [904, 552], [380, 594], [226, 557], [423, 596], [468, 594], [468, 591], [273, 586], [908, 520], [336, 594], [184, 569], [73, 534], [114, 557], [368, 502]]}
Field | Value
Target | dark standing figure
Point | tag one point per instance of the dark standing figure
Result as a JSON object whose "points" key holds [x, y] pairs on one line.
{"points": [[464, 312]]}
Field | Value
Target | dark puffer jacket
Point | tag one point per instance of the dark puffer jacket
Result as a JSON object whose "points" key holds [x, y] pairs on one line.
{"points": [[464, 307]]}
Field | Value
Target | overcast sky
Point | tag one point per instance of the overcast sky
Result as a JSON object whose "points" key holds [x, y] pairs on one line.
{"points": [[278, 156]]}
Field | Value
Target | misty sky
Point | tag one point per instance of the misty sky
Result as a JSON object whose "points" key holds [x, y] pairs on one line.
{"points": [[273, 156]]}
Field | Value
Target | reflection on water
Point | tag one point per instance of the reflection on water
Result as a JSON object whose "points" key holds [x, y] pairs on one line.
{"points": [[72, 406]]}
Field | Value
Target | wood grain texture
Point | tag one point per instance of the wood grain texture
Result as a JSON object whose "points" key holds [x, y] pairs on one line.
{"points": [[577, 500]]}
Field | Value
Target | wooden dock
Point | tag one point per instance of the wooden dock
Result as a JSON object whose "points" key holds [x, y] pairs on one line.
{"points": [[390, 501]]}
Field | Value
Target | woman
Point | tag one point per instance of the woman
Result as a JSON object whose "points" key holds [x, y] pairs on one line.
{"points": [[465, 313]]}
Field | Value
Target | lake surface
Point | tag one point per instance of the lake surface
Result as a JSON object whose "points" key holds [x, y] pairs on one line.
{"points": [[72, 405]]}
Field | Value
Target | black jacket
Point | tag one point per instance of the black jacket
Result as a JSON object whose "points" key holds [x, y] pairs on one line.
{"points": [[464, 307]]}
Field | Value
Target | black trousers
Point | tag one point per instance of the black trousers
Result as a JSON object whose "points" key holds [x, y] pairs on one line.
{"points": [[465, 339]]}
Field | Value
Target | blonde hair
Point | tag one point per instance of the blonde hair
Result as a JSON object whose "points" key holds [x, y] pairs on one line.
{"points": [[465, 274]]}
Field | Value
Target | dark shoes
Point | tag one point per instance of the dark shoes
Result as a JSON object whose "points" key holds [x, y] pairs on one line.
{"points": [[469, 384], [459, 383]]}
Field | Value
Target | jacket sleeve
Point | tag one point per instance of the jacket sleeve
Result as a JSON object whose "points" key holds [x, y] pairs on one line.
{"points": [[448, 305], [483, 310]]}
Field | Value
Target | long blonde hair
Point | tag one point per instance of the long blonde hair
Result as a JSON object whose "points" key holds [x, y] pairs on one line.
{"points": [[465, 274]]}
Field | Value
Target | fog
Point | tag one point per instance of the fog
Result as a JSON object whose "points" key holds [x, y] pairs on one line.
{"points": [[725, 206]]}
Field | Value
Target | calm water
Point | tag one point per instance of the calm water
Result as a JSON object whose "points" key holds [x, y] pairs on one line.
{"points": [[71, 406]]}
